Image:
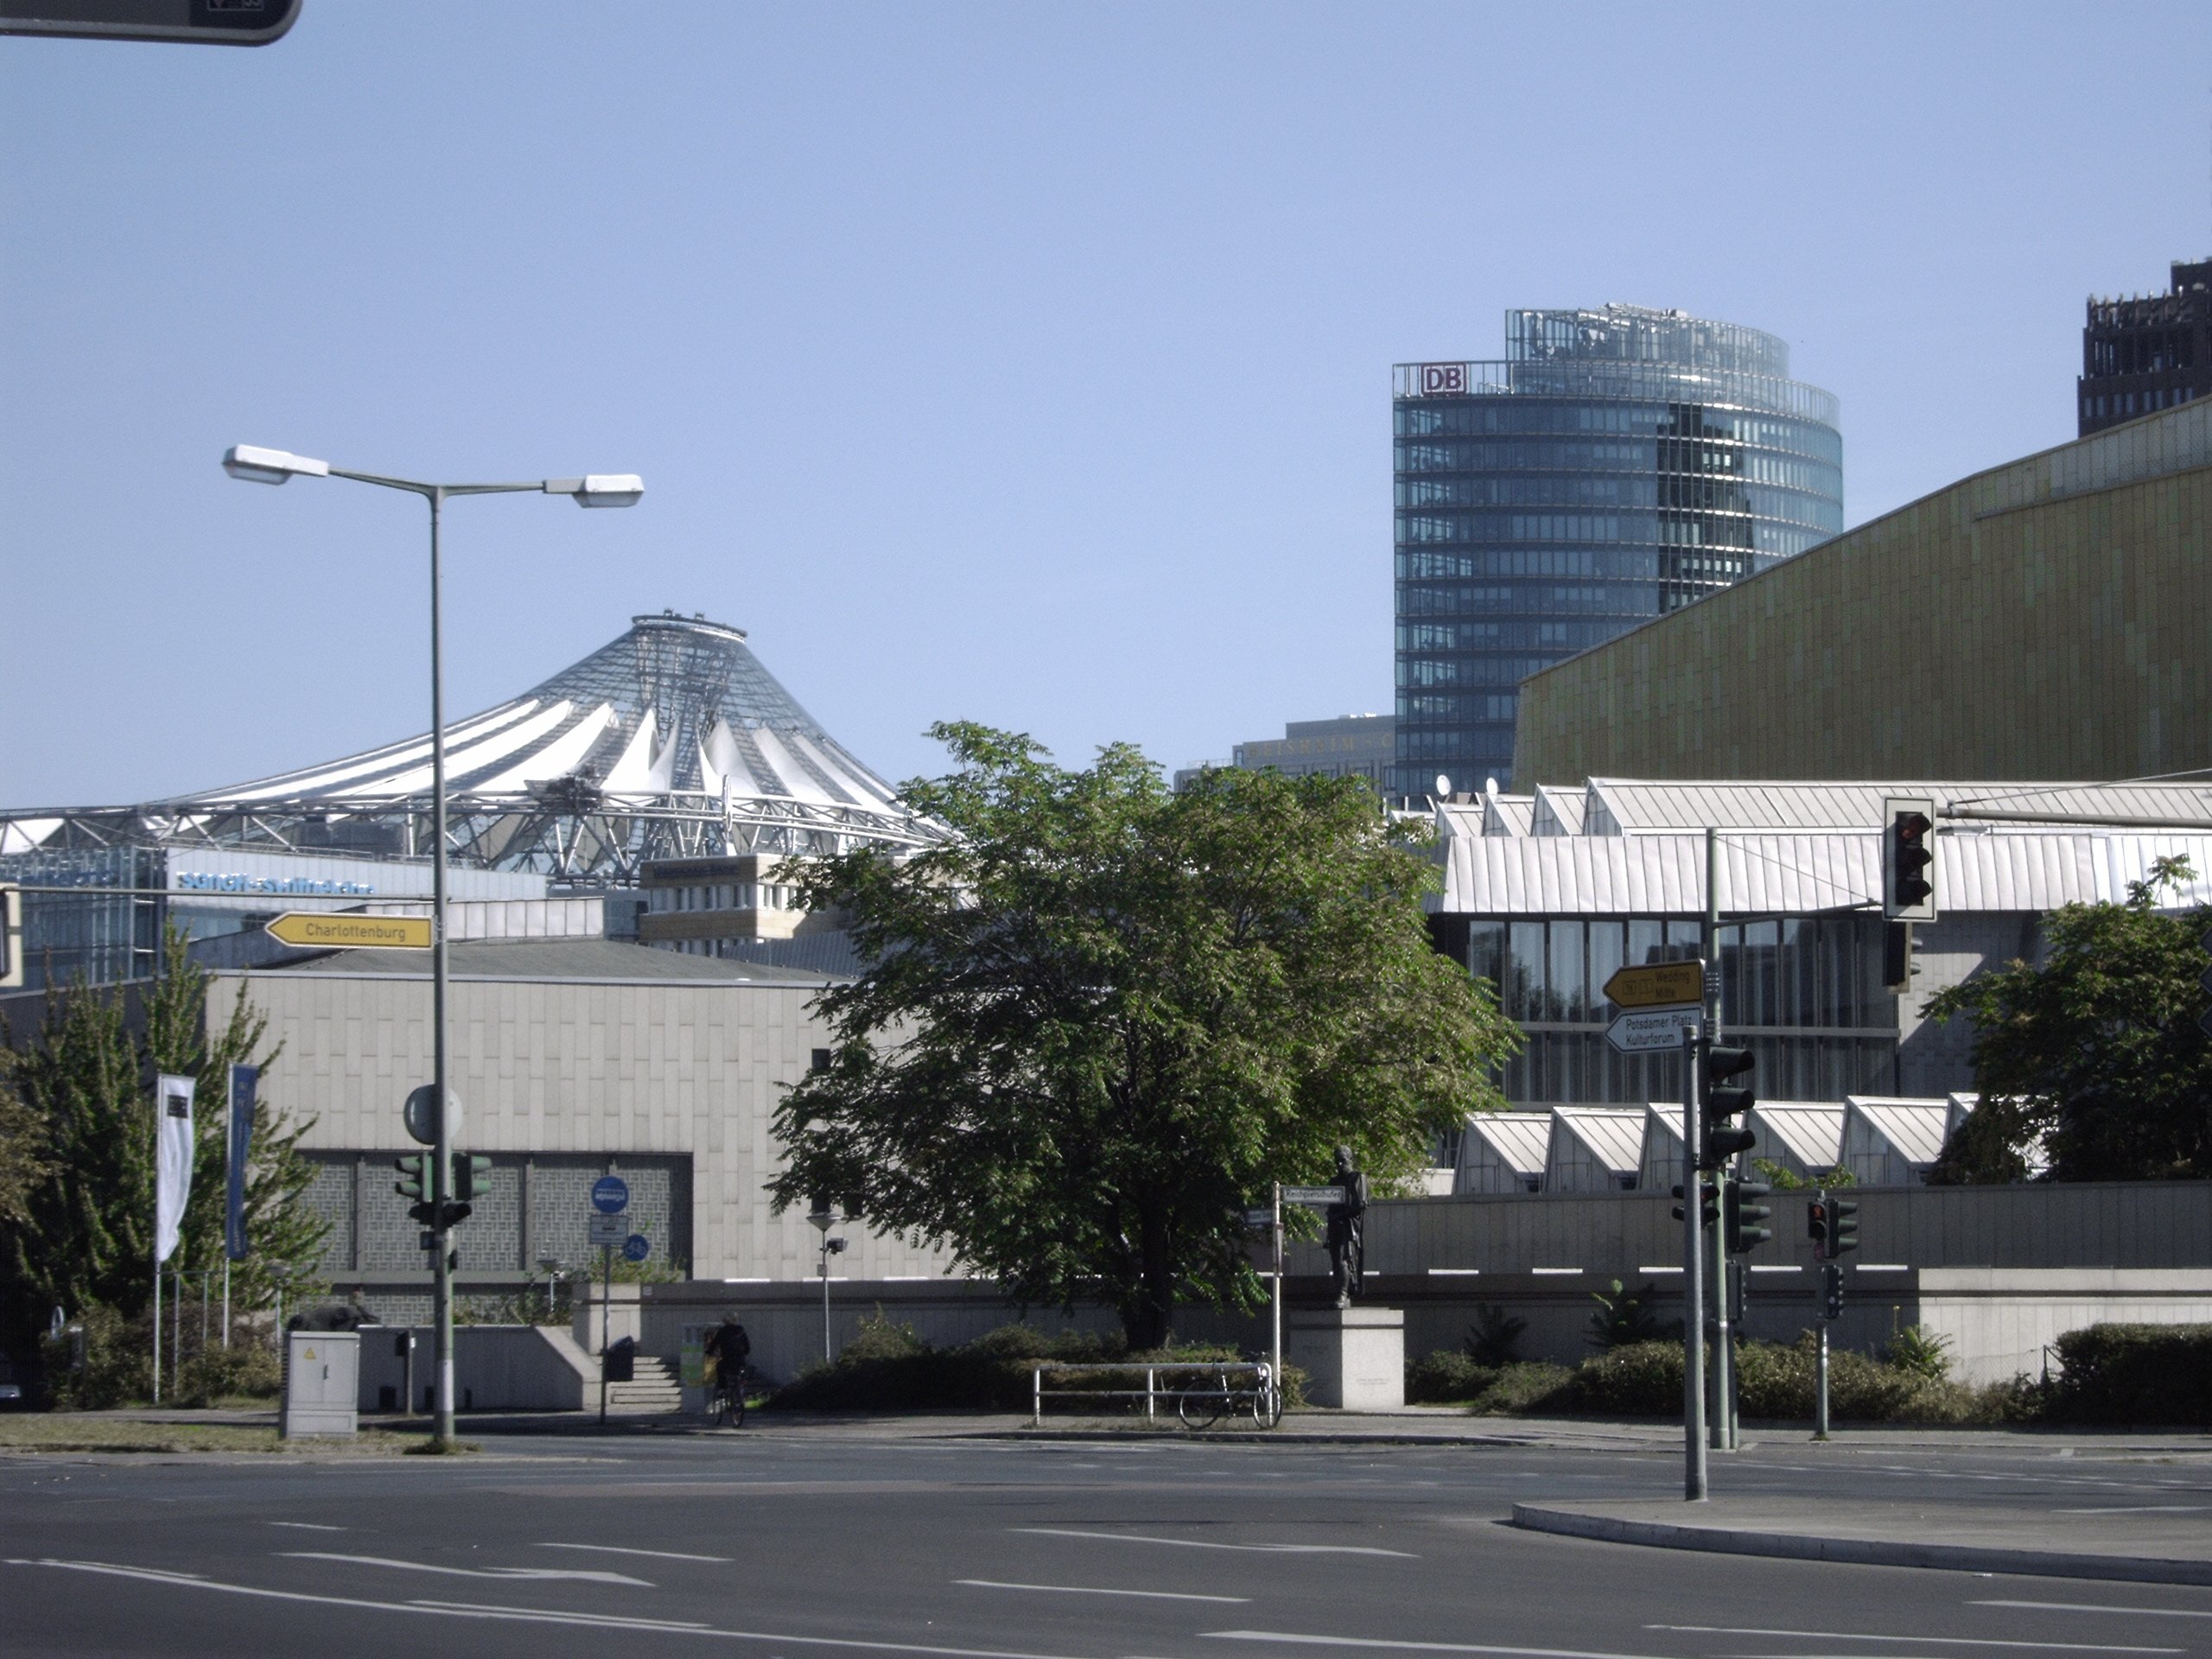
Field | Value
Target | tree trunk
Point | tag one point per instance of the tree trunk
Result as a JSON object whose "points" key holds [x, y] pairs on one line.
{"points": [[1148, 1316]]}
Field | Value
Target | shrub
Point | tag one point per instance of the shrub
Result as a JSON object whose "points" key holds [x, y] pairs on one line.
{"points": [[118, 1369], [1634, 1379], [1494, 1336], [1448, 1378], [2136, 1374], [1524, 1389], [1918, 1352], [247, 1370], [1624, 1317]]}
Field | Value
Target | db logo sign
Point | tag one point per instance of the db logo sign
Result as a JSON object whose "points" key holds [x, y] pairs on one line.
{"points": [[1442, 380]]}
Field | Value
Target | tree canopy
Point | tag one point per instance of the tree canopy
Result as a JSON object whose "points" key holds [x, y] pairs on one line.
{"points": [[2095, 1057], [1101, 1018], [82, 1233]]}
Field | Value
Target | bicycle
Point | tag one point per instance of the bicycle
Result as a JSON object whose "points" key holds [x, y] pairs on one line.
{"points": [[729, 1398], [1206, 1402]]}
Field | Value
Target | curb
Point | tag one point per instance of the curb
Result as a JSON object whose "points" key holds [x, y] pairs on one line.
{"points": [[1869, 1551]]}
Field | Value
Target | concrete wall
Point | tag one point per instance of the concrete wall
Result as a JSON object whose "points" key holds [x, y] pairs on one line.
{"points": [[495, 1368], [2043, 619], [649, 1071]]}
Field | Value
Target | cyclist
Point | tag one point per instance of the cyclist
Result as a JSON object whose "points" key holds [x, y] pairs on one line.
{"points": [[729, 1347]]}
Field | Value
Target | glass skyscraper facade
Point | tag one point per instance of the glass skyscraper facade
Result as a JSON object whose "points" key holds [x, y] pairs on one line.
{"points": [[1615, 464]]}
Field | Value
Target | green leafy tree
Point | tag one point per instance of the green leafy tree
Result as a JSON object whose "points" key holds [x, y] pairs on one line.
{"points": [[25, 1157], [1102, 1018], [86, 1236], [2096, 1056]]}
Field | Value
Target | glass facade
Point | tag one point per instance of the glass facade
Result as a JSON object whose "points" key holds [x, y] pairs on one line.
{"points": [[1805, 993], [1617, 465]]}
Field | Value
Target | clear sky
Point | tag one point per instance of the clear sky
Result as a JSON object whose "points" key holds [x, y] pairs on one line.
{"points": [[1021, 363]]}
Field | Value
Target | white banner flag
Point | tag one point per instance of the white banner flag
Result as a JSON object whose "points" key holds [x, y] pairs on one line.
{"points": [[172, 1160]]}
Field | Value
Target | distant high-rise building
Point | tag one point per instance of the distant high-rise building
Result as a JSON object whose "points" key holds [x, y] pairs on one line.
{"points": [[2142, 355], [1350, 746], [1618, 464]]}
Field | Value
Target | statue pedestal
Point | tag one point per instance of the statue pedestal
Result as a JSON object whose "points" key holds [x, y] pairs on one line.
{"points": [[1353, 1358]]}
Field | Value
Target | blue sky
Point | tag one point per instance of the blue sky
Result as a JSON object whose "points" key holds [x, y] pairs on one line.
{"points": [[1018, 363]]}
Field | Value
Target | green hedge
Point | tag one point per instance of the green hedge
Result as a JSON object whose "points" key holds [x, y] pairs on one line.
{"points": [[888, 1367], [2136, 1374], [1775, 1382]]}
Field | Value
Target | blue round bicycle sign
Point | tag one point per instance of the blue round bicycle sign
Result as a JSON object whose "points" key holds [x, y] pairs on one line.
{"points": [[637, 1247], [610, 1195]]}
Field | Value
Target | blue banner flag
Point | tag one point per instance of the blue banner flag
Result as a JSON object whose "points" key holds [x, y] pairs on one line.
{"points": [[242, 1080]]}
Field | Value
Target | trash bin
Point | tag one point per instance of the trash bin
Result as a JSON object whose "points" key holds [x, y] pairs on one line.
{"points": [[621, 1361]]}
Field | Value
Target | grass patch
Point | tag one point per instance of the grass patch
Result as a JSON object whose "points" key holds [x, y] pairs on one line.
{"points": [[35, 1434]]}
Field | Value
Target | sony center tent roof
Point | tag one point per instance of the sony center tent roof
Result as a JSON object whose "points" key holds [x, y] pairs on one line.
{"points": [[671, 740]]}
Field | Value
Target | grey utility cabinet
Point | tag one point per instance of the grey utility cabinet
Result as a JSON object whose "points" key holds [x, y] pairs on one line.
{"points": [[322, 1382]]}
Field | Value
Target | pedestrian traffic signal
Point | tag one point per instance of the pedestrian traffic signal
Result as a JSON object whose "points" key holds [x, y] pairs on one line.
{"points": [[1709, 1207], [472, 1175], [1843, 1227], [1724, 1100], [1745, 1213], [1909, 860]]}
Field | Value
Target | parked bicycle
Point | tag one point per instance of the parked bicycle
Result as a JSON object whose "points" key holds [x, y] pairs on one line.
{"points": [[1216, 1394]]}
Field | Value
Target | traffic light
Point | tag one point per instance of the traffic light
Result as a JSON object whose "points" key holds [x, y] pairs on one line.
{"points": [[1745, 1213], [1831, 1292], [1724, 1100], [1709, 1207], [1816, 1225], [1909, 860], [1722, 1143], [472, 1175], [1843, 1227], [415, 1183]]}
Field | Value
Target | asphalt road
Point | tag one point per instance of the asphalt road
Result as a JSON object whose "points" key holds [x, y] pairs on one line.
{"points": [[778, 1544]]}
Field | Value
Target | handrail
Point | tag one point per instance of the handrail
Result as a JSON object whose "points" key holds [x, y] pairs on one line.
{"points": [[1150, 1392]]}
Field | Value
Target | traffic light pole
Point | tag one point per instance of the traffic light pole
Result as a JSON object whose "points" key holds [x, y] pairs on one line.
{"points": [[1721, 1420], [1693, 1287]]}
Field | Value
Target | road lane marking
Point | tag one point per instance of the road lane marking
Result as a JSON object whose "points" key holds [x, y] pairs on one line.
{"points": [[2141, 1508], [1148, 1595], [1209, 1544], [1938, 1641], [307, 1526], [587, 1574], [1302, 1639], [539, 1616], [2095, 1607], [658, 1554]]}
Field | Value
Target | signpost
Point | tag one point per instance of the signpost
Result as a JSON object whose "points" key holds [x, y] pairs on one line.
{"points": [[637, 1247], [350, 932], [1651, 1031], [1659, 985], [1313, 1198], [420, 1115], [610, 1231]]}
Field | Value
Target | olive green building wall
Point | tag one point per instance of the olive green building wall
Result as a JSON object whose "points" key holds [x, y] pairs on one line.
{"points": [[2050, 619]]}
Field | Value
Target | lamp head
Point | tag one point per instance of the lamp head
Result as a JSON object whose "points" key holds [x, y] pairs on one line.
{"points": [[258, 465], [600, 489]]}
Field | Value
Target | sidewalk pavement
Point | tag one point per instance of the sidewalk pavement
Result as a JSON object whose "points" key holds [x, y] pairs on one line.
{"points": [[2150, 1546]]}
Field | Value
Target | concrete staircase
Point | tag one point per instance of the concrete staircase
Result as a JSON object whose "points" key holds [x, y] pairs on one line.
{"points": [[657, 1388]]}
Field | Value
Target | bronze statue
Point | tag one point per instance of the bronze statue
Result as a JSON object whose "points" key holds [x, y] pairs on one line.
{"points": [[1347, 1243]]}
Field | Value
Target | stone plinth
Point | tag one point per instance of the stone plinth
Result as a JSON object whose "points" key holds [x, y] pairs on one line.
{"points": [[1353, 1358]]}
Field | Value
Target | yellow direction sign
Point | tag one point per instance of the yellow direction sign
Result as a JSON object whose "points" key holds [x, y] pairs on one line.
{"points": [[351, 932], [1662, 985]]}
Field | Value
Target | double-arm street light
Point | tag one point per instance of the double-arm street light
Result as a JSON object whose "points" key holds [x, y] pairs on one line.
{"points": [[617, 490]]}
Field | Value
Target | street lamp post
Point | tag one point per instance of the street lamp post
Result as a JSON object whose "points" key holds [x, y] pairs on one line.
{"points": [[259, 465], [824, 1218]]}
